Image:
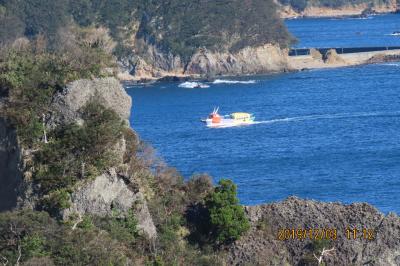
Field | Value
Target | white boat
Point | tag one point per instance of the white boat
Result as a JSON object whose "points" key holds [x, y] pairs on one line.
{"points": [[234, 119]]}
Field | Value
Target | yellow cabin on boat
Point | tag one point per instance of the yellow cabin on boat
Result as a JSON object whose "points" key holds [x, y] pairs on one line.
{"points": [[242, 116]]}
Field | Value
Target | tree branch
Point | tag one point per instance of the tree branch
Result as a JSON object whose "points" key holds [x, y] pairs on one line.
{"points": [[19, 256], [77, 222], [324, 252]]}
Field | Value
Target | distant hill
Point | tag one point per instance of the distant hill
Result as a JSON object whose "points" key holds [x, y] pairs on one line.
{"points": [[175, 26]]}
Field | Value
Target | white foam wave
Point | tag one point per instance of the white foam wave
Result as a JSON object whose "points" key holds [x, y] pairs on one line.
{"points": [[227, 81], [390, 64], [193, 84], [328, 116]]}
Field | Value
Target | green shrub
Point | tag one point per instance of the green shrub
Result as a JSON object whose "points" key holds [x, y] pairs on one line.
{"points": [[34, 246], [31, 78], [78, 152], [86, 223], [122, 227], [227, 218], [57, 200]]}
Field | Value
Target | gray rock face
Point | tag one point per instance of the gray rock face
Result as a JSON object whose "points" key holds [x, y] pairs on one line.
{"points": [[263, 247], [10, 166], [109, 192], [107, 91], [250, 60]]}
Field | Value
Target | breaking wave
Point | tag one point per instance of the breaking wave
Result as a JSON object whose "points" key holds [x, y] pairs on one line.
{"points": [[227, 81], [192, 85]]}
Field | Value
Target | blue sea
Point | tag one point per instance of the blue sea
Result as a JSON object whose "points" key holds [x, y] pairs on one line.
{"points": [[330, 135]]}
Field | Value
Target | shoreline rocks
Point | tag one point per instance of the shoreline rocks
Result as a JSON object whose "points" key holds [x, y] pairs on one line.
{"points": [[288, 12], [262, 245]]}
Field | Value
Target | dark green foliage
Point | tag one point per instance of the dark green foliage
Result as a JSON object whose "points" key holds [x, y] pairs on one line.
{"points": [[121, 228], [78, 152], [34, 245], [176, 26], [185, 26], [11, 26], [227, 218], [87, 223], [37, 16], [38, 235], [30, 79], [56, 200]]}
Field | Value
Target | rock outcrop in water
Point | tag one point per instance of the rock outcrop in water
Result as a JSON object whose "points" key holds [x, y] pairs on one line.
{"points": [[261, 245]]}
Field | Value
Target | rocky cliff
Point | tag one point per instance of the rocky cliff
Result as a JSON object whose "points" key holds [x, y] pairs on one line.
{"points": [[377, 239], [250, 60], [111, 191]]}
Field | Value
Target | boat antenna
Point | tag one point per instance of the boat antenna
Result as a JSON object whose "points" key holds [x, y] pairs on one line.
{"points": [[216, 111]]}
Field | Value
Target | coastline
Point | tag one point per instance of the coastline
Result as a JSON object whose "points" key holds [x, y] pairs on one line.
{"points": [[333, 60], [287, 12], [294, 64]]}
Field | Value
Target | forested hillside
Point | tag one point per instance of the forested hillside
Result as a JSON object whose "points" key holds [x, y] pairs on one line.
{"points": [[175, 26]]}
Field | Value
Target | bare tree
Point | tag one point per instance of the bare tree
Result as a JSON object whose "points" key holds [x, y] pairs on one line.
{"points": [[44, 130], [14, 230], [324, 252]]}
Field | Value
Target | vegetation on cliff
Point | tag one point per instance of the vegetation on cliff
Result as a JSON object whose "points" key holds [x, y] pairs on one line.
{"points": [[227, 218], [62, 156], [182, 27], [179, 27]]}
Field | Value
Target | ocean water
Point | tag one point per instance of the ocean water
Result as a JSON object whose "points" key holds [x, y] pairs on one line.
{"points": [[330, 135], [346, 32]]}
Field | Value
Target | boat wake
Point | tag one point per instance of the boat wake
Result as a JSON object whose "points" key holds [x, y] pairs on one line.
{"points": [[319, 117], [192, 85], [330, 116], [227, 81]]}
